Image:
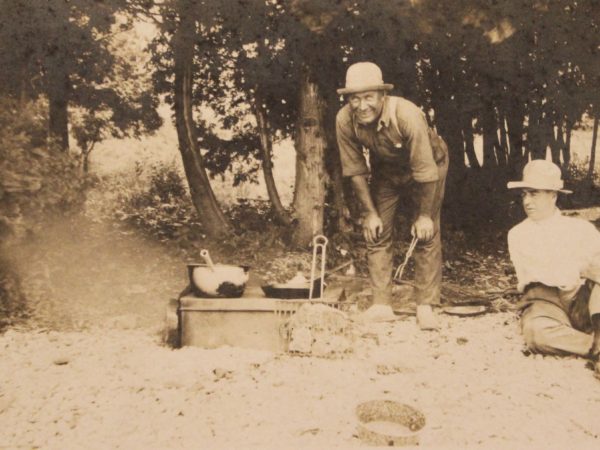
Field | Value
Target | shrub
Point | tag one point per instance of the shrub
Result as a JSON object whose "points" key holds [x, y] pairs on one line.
{"points": [[153, 198], [34, 180], [584, 193]]}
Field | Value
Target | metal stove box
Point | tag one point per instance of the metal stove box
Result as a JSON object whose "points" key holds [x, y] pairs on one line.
{"points": [[251, 321]]}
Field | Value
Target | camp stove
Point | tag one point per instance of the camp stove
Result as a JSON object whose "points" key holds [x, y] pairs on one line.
{"points": [[251, 320]]}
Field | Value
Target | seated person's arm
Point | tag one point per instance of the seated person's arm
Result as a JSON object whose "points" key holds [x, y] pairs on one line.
{"points": [[591, 267]]}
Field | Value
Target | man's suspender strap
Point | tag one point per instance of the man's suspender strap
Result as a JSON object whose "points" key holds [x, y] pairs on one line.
{"points": [[438, 146], [393, 104]]}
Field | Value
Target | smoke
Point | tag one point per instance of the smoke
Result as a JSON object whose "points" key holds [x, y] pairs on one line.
{"points": [[76, 273]]}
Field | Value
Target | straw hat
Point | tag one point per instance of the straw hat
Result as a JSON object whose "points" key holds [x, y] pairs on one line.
{"points": [[540, 174], [362, 77]]}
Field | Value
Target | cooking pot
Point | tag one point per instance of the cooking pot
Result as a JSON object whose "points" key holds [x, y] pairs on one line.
{"points": [[217, 280]]}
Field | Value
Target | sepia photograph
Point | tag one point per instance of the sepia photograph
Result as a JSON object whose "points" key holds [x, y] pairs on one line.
{"points": [[289, 224]]}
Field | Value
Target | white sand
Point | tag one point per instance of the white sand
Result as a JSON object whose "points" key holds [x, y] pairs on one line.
{"points": [[111, 388]]}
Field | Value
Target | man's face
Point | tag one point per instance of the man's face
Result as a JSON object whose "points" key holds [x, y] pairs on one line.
{"points": [[366, 106], [538, 204]]}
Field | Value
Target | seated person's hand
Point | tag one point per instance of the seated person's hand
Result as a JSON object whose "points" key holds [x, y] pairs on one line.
{"points": [[591, 270]]}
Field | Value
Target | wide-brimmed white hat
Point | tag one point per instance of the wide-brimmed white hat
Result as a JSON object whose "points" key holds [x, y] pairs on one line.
{"points": [[362, 77], [540, 174]]}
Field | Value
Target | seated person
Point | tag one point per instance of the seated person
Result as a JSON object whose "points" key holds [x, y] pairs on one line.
{"points": [[557, 261]]}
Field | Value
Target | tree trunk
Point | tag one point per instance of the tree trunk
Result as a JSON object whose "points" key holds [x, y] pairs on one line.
{"points": [[446, 127], [58, 82], [446, 112], [309, 192], [58, 119], [503, 140], [567, 148], [86, 163], [266, 146], [24, 96], [85, 157], [514, 121], [490, 137], [553, 141], [590, 174], [560, 138], [467, 129], [534, 133], [500, 152], [203, 197]]}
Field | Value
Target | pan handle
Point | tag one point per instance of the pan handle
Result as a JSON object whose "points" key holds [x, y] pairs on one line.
{"points": [[319, 243], [204, 253]]}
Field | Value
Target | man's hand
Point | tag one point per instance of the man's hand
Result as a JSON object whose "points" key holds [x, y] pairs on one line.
{"points": [[372, 227], [423, 228]]}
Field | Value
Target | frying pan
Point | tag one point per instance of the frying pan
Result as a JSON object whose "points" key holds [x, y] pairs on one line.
{"points": [[288, 293]]}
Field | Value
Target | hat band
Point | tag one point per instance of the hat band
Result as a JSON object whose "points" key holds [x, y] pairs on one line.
{"points": [[364, 88]]}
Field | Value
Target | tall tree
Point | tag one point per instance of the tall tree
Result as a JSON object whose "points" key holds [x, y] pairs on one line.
{"points": [[590, 174], [309, 193], [61, 49], [266, 145], [184, 42], [311, 141]]}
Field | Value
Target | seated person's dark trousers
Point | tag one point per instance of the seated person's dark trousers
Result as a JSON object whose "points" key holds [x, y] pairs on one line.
{"points": [[556, 326]]}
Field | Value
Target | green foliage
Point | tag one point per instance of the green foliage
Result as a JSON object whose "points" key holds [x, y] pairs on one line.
{"points": [[70, 51], [12, 301], [38, 35], [578, 170], [153, 199], [513, 71], [34, 182], [584, 194]]}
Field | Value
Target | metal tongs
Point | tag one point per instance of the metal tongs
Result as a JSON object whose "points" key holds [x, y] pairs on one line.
{"points": [[400, 270], [319, 243]]}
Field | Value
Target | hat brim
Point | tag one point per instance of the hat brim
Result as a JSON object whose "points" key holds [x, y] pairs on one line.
{"points": [[525, 185], [374, 87]]}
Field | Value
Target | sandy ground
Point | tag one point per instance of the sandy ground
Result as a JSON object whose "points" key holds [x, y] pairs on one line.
{"points": [[89, 370], [114, 388]]}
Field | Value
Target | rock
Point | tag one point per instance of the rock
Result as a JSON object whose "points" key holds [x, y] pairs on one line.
{"points": [[385, 369], [221, 373], [301, 340]]}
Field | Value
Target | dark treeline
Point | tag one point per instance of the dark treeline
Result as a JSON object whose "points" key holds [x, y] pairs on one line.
{"points": [[519, 73]]}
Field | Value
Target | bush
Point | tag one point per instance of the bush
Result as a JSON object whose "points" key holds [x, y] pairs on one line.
{"points": [[584, 193], [154, 199], [13, 305], [34, 181]]}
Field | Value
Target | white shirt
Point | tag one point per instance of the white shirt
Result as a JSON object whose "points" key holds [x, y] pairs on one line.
{"points": [[556, 251]]}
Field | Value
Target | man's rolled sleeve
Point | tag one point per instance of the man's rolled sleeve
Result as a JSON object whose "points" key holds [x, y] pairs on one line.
{"points": [[422, 163], [351, 154]]}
